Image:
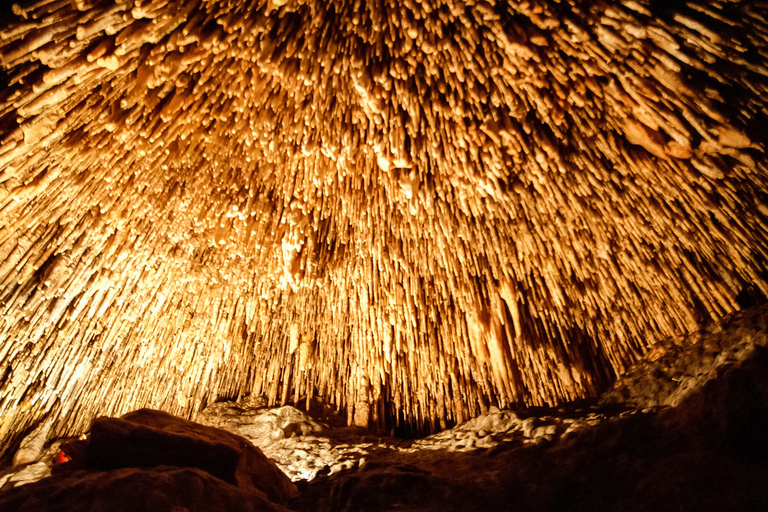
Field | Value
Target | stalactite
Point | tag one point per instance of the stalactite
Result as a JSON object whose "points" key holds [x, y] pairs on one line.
{"points": [[456, 202]]}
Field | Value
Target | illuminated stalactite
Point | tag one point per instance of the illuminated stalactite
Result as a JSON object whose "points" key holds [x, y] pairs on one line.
{"points": [[458, 203]]}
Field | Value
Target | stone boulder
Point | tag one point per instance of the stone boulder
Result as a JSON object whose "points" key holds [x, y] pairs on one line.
{"points": [[148, 438], [677, 367], [33, 460], [170, 463]]}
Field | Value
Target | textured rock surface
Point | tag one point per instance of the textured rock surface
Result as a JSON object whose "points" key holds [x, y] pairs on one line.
{"points": [[676, 367], [252, 420], [30, 473], [331, 452], [706, 450], [20, 474], [161, 489], [31, 449], [313, 450], [709, 453]]}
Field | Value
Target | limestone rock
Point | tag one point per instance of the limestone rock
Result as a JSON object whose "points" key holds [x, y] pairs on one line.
{"points": [[30, 473], [706, 453], [22, 474], [362, 416], [151, 460], [259, 425]]}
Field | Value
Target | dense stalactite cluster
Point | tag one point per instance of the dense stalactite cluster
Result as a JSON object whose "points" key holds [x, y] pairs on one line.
{"points": [[437, 205]]}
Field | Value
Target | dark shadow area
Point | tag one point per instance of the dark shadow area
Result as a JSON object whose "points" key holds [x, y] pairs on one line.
{"points": [[708, 454], [6, 14]]}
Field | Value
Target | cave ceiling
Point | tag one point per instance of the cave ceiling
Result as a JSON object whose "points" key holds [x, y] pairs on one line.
{"points": [[429, 206]]}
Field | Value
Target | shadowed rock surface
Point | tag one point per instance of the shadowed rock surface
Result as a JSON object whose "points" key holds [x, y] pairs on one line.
{"points": [[679, 366], [710, 453], [148, 438], [160, 489]]}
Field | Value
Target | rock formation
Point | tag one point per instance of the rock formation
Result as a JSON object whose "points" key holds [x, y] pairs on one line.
{"points": [[461, 203]]}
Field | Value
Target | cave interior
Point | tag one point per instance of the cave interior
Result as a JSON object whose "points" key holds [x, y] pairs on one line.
{"points": [[407, 215]]}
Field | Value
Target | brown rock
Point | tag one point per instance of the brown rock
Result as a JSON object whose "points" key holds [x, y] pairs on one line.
{"points": [[133, 490], [183, 182], [148, 438]]}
